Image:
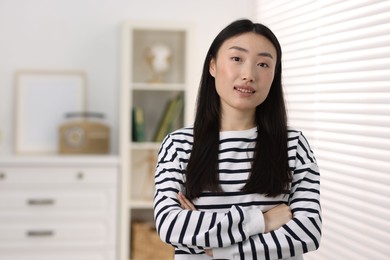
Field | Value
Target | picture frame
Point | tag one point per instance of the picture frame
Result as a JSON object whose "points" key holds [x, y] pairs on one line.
{"points": [[43, 97]]}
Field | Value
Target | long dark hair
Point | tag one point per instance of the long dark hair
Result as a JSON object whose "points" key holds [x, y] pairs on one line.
{"points": [[270, 173]]}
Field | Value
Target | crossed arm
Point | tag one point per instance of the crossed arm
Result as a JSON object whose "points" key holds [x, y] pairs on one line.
{"points": [[273, 218]]}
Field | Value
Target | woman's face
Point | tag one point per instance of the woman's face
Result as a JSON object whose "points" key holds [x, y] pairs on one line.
{"points": [[244, 70]]}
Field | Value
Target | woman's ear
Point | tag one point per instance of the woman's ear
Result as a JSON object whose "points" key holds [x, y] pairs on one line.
{"points": [[212, 67]]}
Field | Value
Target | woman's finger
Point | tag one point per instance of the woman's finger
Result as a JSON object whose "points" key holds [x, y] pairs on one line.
{"points": [[185, 203], [209, 252]]}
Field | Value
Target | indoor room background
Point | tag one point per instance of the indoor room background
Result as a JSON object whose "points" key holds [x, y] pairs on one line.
{"points": [[336, 79]]}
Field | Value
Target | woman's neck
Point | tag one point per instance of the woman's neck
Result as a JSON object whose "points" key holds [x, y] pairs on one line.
{"points": [[237, 121]]}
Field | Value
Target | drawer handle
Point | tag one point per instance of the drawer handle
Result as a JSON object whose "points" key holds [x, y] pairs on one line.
{"points": [[80, 175], [40, 202], [2, 175], [40, 233]]}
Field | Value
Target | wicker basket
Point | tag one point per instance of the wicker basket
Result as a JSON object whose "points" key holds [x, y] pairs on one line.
{"points": [[147, 245]]}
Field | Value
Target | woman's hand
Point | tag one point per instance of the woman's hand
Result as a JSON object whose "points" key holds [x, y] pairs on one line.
{"points": [[209, 252], [277, 217], [187, 204]]}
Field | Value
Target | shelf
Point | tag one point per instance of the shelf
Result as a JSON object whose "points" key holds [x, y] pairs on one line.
{"points": [[145, 146], [158, 86], [161, 96], [140, 204]]}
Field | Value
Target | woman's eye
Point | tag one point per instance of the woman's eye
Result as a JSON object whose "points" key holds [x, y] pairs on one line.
{"points": [[236, 59], [264, 65]]}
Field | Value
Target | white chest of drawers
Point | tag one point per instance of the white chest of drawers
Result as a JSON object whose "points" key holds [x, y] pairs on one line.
{"points": [[58, 208]]}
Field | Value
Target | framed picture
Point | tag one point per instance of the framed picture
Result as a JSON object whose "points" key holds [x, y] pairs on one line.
{"points": [[42, 100]]}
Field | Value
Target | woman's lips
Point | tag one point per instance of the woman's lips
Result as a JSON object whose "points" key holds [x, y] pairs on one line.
{"points": [[245, 90]]}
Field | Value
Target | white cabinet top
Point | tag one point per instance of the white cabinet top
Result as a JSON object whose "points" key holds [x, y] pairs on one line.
{"points": [[61, 160]]}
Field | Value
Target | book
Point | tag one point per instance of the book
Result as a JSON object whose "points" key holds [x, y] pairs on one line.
{"points": [[138, 125], [171, 115]]}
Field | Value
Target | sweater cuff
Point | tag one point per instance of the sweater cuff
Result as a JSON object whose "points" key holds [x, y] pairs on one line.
{"points": [[254, 222], [225, 253], [253, 225]]}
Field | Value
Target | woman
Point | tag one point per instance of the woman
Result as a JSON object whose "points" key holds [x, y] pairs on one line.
{"points": [[239, 184]]}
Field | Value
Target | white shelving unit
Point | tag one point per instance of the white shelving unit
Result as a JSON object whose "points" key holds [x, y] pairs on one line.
{"points": [[141, 89]]}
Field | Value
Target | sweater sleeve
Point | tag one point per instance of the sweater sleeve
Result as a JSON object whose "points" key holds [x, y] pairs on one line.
{"points": [[301, 234], [193, 231]]}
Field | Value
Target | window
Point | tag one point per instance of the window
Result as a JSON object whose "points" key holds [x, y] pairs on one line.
{"points": [[336, 64]]}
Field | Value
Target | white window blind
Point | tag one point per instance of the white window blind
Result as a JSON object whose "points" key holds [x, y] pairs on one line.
{"points": [[337, 82]]}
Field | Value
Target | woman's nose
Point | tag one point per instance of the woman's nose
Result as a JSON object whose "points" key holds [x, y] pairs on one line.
{"points": [[247, 78], [247, 73]]}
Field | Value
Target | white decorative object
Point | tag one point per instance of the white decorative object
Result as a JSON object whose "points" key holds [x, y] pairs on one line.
{"points": [[159, 58]]}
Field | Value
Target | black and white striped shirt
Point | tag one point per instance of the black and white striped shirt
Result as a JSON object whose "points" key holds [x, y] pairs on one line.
{"points": [[231, 222]]}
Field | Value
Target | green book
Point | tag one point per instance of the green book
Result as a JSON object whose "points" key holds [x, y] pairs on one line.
{"points": [[138, 128], [177, 112], [171, 114]]}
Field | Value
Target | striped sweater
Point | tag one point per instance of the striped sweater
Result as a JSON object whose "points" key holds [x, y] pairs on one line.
{"points": [[232, 222]]}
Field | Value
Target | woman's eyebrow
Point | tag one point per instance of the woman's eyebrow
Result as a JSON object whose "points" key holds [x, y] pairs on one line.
{"points": [[264, 54]]}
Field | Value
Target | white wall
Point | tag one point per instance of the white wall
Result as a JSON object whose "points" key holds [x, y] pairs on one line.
{"points": [[85, 35]]}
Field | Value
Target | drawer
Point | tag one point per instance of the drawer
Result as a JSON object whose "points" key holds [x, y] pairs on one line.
{"points": [[59, 255], [55, 175], [37, 199], [47, 234]]}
